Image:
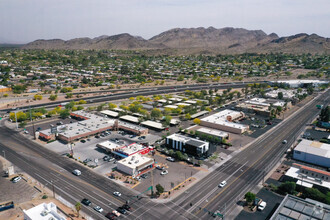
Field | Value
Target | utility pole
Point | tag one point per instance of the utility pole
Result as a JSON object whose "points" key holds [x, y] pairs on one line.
{"points": [[34, 131], [53, 188]]}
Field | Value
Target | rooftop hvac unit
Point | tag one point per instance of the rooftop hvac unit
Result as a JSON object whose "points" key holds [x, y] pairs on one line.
{"points": [[44, 213], [137, 161], [129, 162], [133, 157]]}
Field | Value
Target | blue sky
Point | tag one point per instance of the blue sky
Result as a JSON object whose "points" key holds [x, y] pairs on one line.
{"points": [[27, 20]]}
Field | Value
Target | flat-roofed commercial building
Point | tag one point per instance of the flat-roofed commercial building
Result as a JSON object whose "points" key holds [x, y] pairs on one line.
{"points": [[43, 211], [90, 124], [295, 208], [135, 164], [308, 177], [213, 132], [153, 124], [187, 145], [224, 121], [110, 113], [132, 149], [130, 118], [4, 89], [109, 146], [313, 152]]}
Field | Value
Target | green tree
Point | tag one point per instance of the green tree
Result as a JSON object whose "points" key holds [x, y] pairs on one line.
{"points": [[188, 116], [179, 155], [315, 194], [112, 106], [156, 113], [52, 97], [325, 114], [64, 113], [249, 197], [78, 207], [287, 187], [280, 95], [69, 95], [159, 189], [197, 121]]}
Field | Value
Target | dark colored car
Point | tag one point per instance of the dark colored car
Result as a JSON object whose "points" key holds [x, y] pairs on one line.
{"points": [[144, 176], [127, 207], [106, 158], [86, 202], [110, 215], [83, 141], [122, 210], [96, 136], [87, 160]]}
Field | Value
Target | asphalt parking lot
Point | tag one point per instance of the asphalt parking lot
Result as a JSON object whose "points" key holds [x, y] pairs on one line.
{"points": [[88, 150], [273, 200], [177, 173]]}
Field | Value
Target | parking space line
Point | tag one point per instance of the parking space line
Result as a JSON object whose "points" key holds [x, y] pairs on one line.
{"points": [[138, 182]]}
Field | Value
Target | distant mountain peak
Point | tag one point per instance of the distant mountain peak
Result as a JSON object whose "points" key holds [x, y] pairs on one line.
{"points": [[226, 40]]}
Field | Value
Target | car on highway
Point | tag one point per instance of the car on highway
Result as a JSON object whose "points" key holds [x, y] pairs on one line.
{"points": [[86, 202], [116, 213], [222, 184], [121, 210], [117, 194], [164, 172], [127, 207], [110, 215], [16, 179], [98, 209], [76, 172], [262, 206], [170, 159], [284, 142]]}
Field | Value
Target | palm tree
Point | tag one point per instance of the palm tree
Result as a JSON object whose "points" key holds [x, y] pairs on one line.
{"points": [[78, 207]]}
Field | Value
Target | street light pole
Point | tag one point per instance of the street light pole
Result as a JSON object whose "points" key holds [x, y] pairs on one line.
{"points": [[53, 188]]}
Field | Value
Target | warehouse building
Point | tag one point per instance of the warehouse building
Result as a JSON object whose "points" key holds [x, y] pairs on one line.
{"points": [[294, 208], [135, 165], [313, 152], [187, 145], [224, 121]]}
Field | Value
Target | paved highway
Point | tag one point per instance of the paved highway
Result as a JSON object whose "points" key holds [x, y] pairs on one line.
{"points": [[242, 173], [143, 92]]}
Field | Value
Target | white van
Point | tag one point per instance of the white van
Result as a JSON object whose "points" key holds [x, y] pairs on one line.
{"points": [[76, 172]]}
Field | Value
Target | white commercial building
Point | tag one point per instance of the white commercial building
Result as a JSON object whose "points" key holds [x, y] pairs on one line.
{"points": [[43, 211], [214, 132], [130, 118], [187, 145], [109, 146], [110, 113], [135, 164], [224, 121], [153, 124], [313, 152]]}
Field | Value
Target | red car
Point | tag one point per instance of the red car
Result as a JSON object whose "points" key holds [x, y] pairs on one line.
{"points": [[110, 215]]}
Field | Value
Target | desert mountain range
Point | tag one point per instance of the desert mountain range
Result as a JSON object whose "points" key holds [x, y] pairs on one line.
{"points": [[197, 40]]}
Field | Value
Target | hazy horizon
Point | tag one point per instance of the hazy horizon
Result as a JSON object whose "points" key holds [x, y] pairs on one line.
{"points": [[25, 21]]}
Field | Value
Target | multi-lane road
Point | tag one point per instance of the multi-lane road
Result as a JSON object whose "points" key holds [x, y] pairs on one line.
{"points": [[242, 172], [144, 92]]}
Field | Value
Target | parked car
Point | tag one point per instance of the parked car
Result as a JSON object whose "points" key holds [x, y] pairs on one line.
{"points": [[83, 141], [110, 215], [106, 158], [223, 183], [144, 176], [98, 209], [164, 172], [132, 136], [76, 172], [16, 179], [86, 202], [96, 136], [26, 132], [87, 160], [117, 194], [262, 206], [170, 159], [122, 210], [159, 167]]}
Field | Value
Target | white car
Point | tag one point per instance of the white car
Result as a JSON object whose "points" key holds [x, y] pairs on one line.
{"points": [[223, 183], [284, 141], [76, 172], [164, 172], [262, 206], [98, 209], [26, 132], [117, 194], [170, 159], [16, 179]]}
